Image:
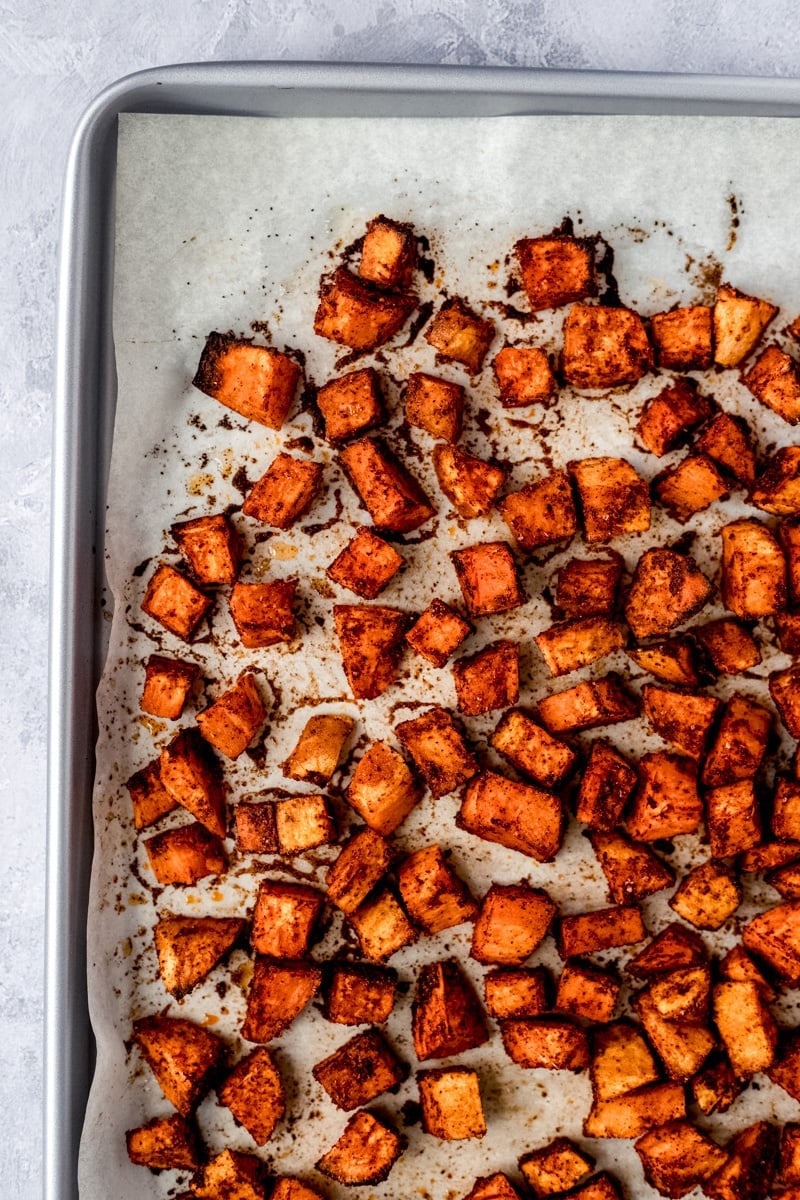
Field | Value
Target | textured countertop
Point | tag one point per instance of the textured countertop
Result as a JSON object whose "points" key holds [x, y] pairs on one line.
{"points": [[54, 59]]}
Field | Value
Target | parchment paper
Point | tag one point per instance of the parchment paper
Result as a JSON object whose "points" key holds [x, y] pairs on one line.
{"points": [[225, 222]]}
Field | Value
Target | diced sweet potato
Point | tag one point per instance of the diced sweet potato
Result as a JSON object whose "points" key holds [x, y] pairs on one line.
{"points": [[689, 487], [364, 1154], [257, 382], [740, 744], [516, 992], [730, 647], [513, 921], [680, 718], [777, 489], [435, 405], [471, 484], [733, 818], [589, 587], [729, 442], [707, 896], [230, 1173], [303, 823], [785, 880], [631, 1115], [167, 683], [357, 994], [256, 828], [603, 929], [285, 492], [183, 856], [382, 790], [768, 857], [192, 776], [557, 269], [666, 802], [164, 1144], [745, 1025], [532, 750], [752, 1160], [786, 810], [366, 565], [493, 1187], [774, 379], [292, 1189], [451, 1103], [672, 949], [789, 538], [319, 748], [631, 870], [175, 602], [181, 1055], [459, 334], [670, 660], [279, 992], [487, 680], [435, 897], [676, 1158], [188, 948], [360, 1070], [555, 1168], [614, 500], [682, 1046], [354, 314], [284, 918], [605, 787], [388, 253], [438, 749], [254, 1093], [738, 966], [589, 705], [447, 1017], [604, 347], [488, 578], [774, 936], [622, 1062], [371, 641], [542, 512], [438, 633], [587, 992], [389, 492], [599, 1187], [784, 687], [715, 1088], [574, 644], [787, 627], [789, 1168], [382, 927], [683, 338], [524, 376], [212, 547], [263, 612], [739, 321], [149, 798], [668, 417], [753, 570], [682, 995], [785, 1071], [231, 723], [362, 862], [667, 589], [545, 1042], [515, 815], [351, 404]]}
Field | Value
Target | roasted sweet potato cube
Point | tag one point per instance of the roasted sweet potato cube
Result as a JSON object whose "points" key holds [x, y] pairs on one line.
{"points": [[362, 861], [574, 644], [784, 687], [555, 1168], [181, 1055], [150, 799], [516, 992], [303, 823], [668, 417], [622, 1062], [682, 1046], [586, 991], [787, 627], [493, 1187], [175, 602], [516, 815], [366, 565], [589, 705], [257, 382], [285, 492], [185, 855], [382, 790], [769, 856], [774, 379], [371, 639], [284, 918], [292, 1189], [632, 1114], [676, 1158], [785, 880], [605, 787], [279, 992], [451, 1103], [231, 723], [435, 897], [789, 537], [438, 749], [689, 487], [745, 1025], [254, 1093], [487, 680], [212, 548], [680, 718], [789, 1168], [164, 1144], [459, 334], [446, 1015], [707, 896], [683, 338], [167, 683], [360, 1070], [382, 927], [438, 632], [733, 818], [682, 995], [542, 512], [435, 405], [631, 870], [488, 578], [603, 929], [604, 347], [556, 269], [667, 589], [388, 253], [715, 1088], [364, 1154], [389, 492], [192, 776], [190, 947], [786, 810], [524, 376], [785, 1071], [672, 949], [355, 314], [471, 484], [599, 1187], [256, 828], [588, 587], [730, 647], [319, 748], [739, 321], [753, 570], [614, 500], [351, 404], [670, 660], [740, 744], [532, 750], [548, 1043], [230, 1173], [357, 994], [513, 921], [263, 612], [777, 489], [666, 802], [729, 442], [738, 966], [752, 1161]]}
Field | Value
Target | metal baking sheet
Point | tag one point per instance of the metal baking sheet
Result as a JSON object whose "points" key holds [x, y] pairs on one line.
{"points": [[85, 396]]}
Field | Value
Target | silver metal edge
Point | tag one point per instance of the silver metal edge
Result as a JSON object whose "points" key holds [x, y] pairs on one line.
{"points": [[83, 419]]}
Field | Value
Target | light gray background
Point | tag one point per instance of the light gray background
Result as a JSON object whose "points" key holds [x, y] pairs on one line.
{"points": [[54, 57]]}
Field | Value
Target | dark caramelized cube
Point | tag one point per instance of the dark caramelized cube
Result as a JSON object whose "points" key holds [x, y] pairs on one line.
{"points": [[690, 487], [488, 577], [667, 589], [231, 723], [285, 492], [787, 627], [493, 1187], [371, 643], [254, 1094], [279, 992], [351, 404], [360, 1070], [451, 1103], [739, 321], [435, 405], [515, 815], [542, 512], [366, 565], [459, 334], [774, 379], [185, 855], [489, 679], [605, 788], [256, 828], [604, 929], [433, 894], [438, 749], [614, 499], [230, 1174], [730, 647], [728, 441], [391, 495], [388, 253], [354, 314], [212, 547], [284, 918], [255, 381], [666, 802], [751, 1164], [740, 744], [532, 750], [589, 587], [683, 338], [174, 601], [447, 1017], [587, 992], [604, 347], [556, 270], [579, 643], [357, 994], [470, 484], [513, 922], [164, 1144], [671, 415], [362, 862], [789, 537], [263, 613], [676, 1158], [438, 633], [524, 376], [382, 790], [516, 992], [777, 489], [167, 683], [364, 1154], [589, 705], [680, 718], [670, 660]]}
